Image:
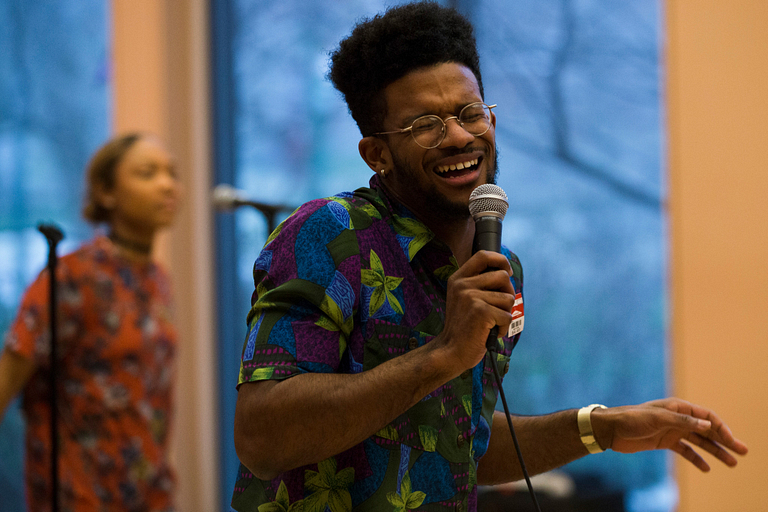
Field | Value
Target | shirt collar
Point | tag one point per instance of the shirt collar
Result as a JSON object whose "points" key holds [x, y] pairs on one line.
{"points": [[412, 234]]}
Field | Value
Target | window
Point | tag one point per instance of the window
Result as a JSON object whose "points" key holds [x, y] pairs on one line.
{"points": [[53, 114]]}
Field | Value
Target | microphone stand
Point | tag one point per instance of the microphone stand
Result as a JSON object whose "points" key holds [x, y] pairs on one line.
{"points": [[269, 211], [226, 197], [53, 235]]}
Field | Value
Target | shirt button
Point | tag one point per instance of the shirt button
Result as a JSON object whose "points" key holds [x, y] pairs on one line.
{"points": [[466, 374], [413, 343], [460, 440], [506, 368]]}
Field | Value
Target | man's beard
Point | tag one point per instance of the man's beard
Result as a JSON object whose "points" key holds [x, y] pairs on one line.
{"points": [[436, 204]]}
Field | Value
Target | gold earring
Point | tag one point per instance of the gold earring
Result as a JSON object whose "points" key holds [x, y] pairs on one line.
{"points": [[384, 173]]}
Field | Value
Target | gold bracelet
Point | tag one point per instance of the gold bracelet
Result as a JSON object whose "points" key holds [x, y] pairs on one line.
{"points": [[584, 419]]}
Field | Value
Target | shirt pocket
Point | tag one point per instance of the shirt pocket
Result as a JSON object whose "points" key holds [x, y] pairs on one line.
{"points": [[421, 425]]}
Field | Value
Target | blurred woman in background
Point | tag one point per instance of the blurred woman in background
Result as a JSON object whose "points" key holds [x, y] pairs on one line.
{"points": [[116, 346]]}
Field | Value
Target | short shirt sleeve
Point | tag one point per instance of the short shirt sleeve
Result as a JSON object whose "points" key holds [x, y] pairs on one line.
{"points": [[303, 308]]}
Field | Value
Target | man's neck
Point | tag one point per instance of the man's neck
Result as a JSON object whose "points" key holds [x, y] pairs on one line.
{"points": [[458, 236], [457, 232]]}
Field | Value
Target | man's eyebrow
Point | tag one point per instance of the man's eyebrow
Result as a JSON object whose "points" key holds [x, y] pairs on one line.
{"points": [[429, 112], [407, 121]]}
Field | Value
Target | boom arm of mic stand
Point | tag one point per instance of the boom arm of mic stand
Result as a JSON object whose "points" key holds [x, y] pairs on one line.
{"points": [[269, 211]]}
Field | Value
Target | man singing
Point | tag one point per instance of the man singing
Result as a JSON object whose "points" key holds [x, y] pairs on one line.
{"points": [[365, 382]]}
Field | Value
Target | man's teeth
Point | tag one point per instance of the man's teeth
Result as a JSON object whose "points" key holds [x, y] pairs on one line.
{"points": [[457, 167]]}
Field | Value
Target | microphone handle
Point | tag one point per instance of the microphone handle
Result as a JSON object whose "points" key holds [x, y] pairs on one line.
{"points": [[488, 238], [487, 234]]}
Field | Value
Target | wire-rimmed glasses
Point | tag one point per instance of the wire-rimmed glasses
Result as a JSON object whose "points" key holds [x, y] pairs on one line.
{"points": [[429, 131]]}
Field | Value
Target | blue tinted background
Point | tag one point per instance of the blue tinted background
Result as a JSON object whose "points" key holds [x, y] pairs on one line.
{"points": [[54, 88], [579, 132]]}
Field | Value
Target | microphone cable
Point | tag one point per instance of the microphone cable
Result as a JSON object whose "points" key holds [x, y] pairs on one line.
{"points": [[512, 429]]}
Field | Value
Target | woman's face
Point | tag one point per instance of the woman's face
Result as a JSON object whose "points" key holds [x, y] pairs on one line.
{"points": [[146, 192]]}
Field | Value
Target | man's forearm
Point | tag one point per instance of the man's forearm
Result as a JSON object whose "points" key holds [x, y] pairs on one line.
{"points": [[547, 442], [280, 425]]}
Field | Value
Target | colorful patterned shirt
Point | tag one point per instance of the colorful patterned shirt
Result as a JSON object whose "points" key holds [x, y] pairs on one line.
{"points": [[115, 346], [343, 285]]}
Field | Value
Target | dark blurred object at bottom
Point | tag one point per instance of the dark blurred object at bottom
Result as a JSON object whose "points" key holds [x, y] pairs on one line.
{"points": [[555, 492]]}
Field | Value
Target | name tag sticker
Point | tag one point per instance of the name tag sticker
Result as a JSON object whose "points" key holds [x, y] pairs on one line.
{"points": [[518, 317]]}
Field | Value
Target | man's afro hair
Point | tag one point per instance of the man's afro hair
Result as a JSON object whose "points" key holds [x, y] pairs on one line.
{"points": [[385, 48]]}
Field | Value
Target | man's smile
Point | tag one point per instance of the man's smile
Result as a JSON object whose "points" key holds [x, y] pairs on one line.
{"points": [[470, 164]]}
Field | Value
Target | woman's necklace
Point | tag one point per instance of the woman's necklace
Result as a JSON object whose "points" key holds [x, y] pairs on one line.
{"points": [[138, 247]]}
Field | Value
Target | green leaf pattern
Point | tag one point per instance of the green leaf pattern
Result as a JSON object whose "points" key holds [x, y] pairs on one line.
{"points": [[371, 211], [444, 272], [466, 401], [406, 499], [262, 373], [281, 502], [389, 432], [328, 487], [408, 227], [428, 436], [382, 285], [333, 320]]}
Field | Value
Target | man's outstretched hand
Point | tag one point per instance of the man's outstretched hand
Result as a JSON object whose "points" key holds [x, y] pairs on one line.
{"points": [[668, 423]]}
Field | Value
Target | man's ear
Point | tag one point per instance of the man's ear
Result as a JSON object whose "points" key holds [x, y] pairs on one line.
{"points": [[376, 154]]}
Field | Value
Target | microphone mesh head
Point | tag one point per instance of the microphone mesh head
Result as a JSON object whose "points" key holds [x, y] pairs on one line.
{"points": [[488, 199], [225, 197]]}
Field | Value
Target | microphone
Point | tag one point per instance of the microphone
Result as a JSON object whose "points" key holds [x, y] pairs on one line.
{"points": [[51, 232], [226, 198], [488, 204]]}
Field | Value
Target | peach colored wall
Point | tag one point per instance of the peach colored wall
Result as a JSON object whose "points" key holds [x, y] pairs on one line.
{"points": [[718, 174], [160, 84], [139, 57]]}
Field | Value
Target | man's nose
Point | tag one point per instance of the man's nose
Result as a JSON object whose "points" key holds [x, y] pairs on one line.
{"points": [[455, 134]]}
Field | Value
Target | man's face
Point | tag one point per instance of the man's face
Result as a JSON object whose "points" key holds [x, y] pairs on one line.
{"points": [[432, 182]]}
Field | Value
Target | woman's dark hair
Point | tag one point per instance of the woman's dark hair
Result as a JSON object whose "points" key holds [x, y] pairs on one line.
{"points": [[388, 46], [100, 174]]}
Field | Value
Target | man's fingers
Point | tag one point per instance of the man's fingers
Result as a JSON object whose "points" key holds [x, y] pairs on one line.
{"points": [[718, 431], [483, 260], [710, 434], [724, 436], [713, 448], [697, 460], [713, 429], [690, 454], [494, 280]]}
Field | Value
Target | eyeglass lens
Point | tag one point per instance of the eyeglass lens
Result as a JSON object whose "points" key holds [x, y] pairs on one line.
{"points": [[429, 131]]}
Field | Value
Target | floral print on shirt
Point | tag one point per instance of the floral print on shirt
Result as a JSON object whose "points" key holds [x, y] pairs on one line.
{"points": [[343, 285]]}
